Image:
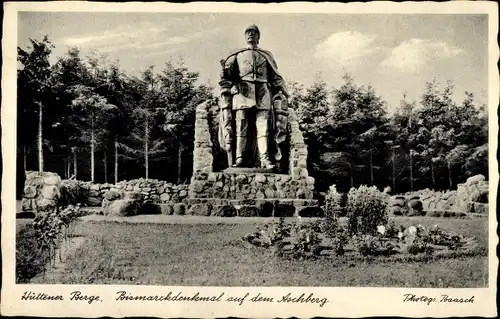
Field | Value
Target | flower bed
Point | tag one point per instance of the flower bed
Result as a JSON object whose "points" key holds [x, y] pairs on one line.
{"points": [[326, 238]]}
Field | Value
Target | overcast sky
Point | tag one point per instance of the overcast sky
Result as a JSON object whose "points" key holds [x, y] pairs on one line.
{"points": [[392, 52]]}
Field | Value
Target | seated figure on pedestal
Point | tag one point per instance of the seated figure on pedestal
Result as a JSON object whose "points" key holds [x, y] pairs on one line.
{"points": [[253, 106]]}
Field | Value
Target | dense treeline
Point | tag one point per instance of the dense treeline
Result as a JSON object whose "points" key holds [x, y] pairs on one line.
{"points": [[436, 143], [85, 118]]}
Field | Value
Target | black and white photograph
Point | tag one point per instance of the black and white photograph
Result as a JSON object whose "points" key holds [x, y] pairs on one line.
{"points": [[196, 161]]}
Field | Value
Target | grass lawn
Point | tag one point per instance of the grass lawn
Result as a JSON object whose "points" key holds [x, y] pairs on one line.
{"points": [[214, 254]]}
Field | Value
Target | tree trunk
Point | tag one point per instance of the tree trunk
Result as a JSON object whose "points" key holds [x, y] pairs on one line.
{"points": [[92, 146], [179, 163], [146, 142], [393, 171], [450, 180], [371, 168], [105, 160], [40, 137], [68, 166], [24, 158], [116, 160], [433, 177], [74, 163], [411, 170], [65, 168], [351, 175]]}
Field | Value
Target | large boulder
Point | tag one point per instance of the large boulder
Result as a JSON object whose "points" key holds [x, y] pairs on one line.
{"points": [[41, 192], [133, 196], [475, 179], [51, 192], [73, 192], [200, 209], [123, 207], [247, 211], [397, 201], [224, 211], [284, 210], [179, 209], [481, 208], [45, 205], [398, 206], [150, 209], [398, 211], [266, 209], [50, 178], [166, 209], [312, 211], [29, 191], [93, 201], [28, 205], [112, 195], [415, 207]]}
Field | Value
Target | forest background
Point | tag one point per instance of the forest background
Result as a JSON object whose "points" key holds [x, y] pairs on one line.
{"points": [[84, 117]]}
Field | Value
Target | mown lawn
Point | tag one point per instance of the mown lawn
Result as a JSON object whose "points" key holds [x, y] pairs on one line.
{"points": [[215, 254]]}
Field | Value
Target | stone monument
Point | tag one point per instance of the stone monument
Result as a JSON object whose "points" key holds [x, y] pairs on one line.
{"points": [[253, 108], [266, 154]]}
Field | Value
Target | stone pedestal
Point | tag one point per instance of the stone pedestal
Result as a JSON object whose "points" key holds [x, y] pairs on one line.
{"points": [[251, 191]]}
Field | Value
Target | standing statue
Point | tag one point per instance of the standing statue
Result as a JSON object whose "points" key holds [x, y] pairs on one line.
{"points": [[253, 105]]}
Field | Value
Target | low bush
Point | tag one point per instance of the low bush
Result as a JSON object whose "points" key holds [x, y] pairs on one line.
{"points": [[36, 243], [332, 230], [370, 245], [366, 209], [335, 203], [30, 258]]}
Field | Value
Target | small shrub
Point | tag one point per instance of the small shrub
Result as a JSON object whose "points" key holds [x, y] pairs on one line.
{"points": [[369, 245], [52, 227], [392, 230], [366, 209], [330, 228], [30, 258], [437, 236], [335, 203], [296, 239], [418, 245]]}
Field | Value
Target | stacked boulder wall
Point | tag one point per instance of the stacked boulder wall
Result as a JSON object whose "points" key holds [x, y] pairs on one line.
{"points": [[470, 197], [473, 195], [154, 191]]}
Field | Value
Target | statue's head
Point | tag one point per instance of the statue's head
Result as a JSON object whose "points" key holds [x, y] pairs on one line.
{"points": [[252, 34]]}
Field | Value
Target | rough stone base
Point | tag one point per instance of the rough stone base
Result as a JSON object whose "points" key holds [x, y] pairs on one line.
{"points": [[276, 207]]}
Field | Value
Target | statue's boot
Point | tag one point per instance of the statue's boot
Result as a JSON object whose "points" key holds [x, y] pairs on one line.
{"points": [[264, 153], [241, 144]]}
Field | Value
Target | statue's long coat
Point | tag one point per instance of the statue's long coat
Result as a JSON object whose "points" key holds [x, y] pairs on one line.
{"points": [[278, 126]]}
